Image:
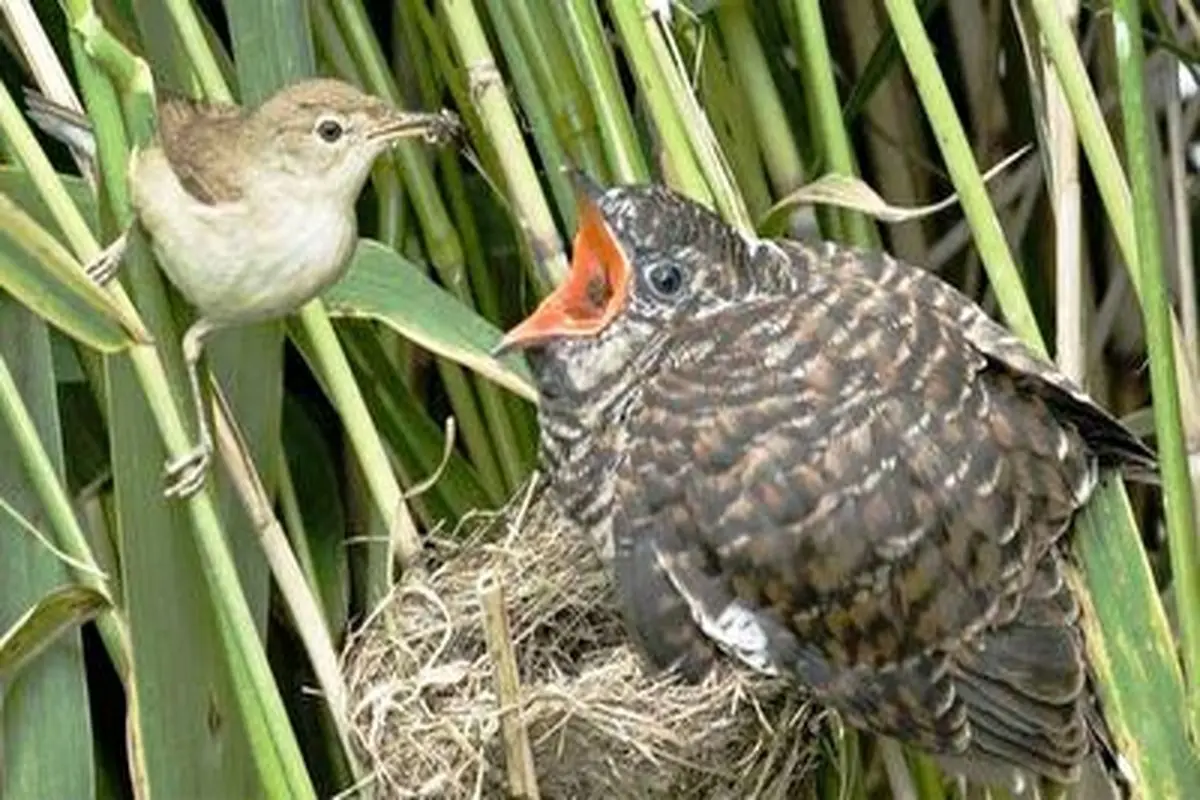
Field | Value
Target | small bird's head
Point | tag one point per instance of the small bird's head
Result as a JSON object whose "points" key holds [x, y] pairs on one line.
{"points": [[325, 133], [644, 258]]}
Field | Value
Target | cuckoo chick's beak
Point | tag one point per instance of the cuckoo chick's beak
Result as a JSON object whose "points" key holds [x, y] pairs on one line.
{"points": [[594, 291]]}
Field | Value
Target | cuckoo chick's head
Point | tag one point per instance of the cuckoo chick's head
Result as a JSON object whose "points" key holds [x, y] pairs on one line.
{"points": [[643, 258]]}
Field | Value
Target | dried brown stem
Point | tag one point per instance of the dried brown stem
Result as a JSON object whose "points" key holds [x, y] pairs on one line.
{"points": [[297, 594], [518, 756]]}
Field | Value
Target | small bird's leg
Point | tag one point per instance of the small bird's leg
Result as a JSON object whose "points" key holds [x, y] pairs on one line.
{"points": [[103, 267], [185, 474]]}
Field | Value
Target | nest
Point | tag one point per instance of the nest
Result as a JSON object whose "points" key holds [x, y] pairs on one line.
{"points": [[429, 723]]}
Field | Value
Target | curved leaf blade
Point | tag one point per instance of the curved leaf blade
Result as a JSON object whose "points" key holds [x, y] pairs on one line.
{"points": [[42, 274], [60, 611], [46, 726], [384, 286]]}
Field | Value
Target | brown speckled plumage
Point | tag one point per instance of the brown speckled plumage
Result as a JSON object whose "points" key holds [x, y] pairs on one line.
{"points": [[843, 467]]}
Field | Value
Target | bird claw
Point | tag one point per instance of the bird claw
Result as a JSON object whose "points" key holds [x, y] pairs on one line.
{"points": [[104, 266], [101, 271], [185, 475]]}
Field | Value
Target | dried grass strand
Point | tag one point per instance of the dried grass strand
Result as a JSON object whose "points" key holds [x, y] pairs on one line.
{"points": [[427, 715]]}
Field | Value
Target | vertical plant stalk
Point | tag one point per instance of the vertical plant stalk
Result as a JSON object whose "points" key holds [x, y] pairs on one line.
{"points": [[372, 455], [114, 628], [195, 44], [830, 130], [518, 756], [428, 54], [749, 63], [599, 75], [1115, 194], [1182, 223], [1065, 195], [956, 151], [901, 781], [728, 108], [668, 63], [491, 100], [47, 70], [1188, 10], [681, 163], [1172, 452], [1110, 178], [532, 94], [445, 250], [1133, 657], [276, 752], [297, 593], [889, 108], [440, 239], [555, 72]]}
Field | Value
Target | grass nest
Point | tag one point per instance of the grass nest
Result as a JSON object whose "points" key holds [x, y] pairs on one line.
{"points": [[428, 718]]}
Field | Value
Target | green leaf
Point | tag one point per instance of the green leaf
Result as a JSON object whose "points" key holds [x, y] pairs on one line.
{"points": [[41, 273], [1131, 649], [384, 286], [15, 183], [45, 724], [187, 714], [317, 529], [57, 613]]}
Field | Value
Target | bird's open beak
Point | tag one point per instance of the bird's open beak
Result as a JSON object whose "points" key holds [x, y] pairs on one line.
{"points": [[594, 291], [435, 128]]}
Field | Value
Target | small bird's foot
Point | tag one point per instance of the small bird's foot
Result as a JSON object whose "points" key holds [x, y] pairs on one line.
{"points": [[185, 475], [102, 269]]}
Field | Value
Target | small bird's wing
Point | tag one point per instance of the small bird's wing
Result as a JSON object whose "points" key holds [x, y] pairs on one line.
{"points": [[853, 474], [201, 154]]}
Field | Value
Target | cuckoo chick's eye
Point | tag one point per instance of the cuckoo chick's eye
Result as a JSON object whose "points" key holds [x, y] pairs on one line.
{"points": [[330, 130], [665, 279]]}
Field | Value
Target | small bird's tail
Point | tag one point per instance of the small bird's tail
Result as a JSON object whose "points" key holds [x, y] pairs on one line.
{"points": [[62, 123]]}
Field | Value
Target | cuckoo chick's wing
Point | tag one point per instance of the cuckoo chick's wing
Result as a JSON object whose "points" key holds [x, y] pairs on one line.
{"points": [[843, 488]]}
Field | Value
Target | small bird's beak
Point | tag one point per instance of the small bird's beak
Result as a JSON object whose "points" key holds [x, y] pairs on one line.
{"points": [[595, 289], [435, 128]]}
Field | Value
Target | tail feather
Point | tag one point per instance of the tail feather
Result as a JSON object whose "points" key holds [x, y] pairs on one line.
{"points": [[1114, 444], [995, 699], [1025, 684], [62, 123]]}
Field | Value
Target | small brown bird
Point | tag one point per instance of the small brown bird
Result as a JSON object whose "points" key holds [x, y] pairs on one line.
{"points": [[249, 212], [829, 465]]}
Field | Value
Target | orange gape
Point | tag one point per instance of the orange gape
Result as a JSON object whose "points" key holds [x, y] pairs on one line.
{"points": [[593, 293]]}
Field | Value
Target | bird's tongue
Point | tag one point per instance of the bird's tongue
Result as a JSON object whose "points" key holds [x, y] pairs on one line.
{"points": [[589, 298]]}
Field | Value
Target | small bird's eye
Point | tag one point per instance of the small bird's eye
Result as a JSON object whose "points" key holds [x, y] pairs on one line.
{"points": [[666, 279], [330, 130]]}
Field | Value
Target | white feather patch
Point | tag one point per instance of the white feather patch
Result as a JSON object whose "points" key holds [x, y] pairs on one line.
{"points": [[1087, 482], [736, 629]]}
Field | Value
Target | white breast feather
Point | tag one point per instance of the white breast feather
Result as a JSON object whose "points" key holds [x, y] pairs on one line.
{"points": [[260, 258]]}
